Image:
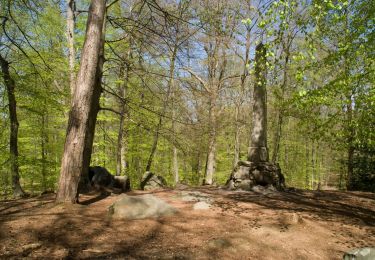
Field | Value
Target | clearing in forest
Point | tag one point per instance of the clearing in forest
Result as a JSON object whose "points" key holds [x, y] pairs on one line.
{"points": [[238, 225]]}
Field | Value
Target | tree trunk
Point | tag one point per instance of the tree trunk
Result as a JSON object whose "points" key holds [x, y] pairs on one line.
{"points": [[258, 148], [240, 100], [312, 165], [13, 138], [236, 138], [211, 155], [121, 149], [350, 141], [70, 22], [85, 105], [175, 151], [158, 128], [44, 140], [280, 118], [307, 166]]}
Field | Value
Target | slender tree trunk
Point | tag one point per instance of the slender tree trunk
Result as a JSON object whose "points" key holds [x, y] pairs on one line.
{"points": [[70, 22], [154, 145], [236, 137], [286, 161], [165, 104], [307, 165], [211, 155], [258, 150], [350, 143], [175, 165], [280, 118], [85, 105], [121, 147], [313, 155], [175, 151], [44, 140], [13, 138]]}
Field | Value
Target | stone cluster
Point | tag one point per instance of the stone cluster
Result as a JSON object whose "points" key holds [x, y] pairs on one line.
{"points": [[150, 181], [248, 174]]}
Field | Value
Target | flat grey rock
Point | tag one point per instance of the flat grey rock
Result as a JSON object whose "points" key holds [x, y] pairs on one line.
{"points": [[195, 196], [140, 207], [219, 243], [201, 205], [264, 190]]}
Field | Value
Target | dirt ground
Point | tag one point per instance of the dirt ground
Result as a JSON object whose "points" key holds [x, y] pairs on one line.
{"points": [[239, 225]]}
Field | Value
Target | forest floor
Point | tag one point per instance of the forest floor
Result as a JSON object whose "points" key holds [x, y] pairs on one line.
{"points": [[239, 225]]}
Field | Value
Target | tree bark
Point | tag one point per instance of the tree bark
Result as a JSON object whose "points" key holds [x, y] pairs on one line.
{"points": [[258, 149], [70, 22], [13, 138], [121, 148], [236, 137], [175, 151], [211, 155], [85, 105], [307, 165], [350, 144], [44, 141]]}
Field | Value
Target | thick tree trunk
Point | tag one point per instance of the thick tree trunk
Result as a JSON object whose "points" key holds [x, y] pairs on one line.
{"points": [[85, 105], [70, 22], [13, 138], [258, 148]]}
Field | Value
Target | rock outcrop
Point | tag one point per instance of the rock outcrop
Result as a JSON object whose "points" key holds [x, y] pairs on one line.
{"points": [[150, 181], [248, 174]]}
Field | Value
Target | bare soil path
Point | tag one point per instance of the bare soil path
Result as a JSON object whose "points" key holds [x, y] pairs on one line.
{"points": [[239, 225]]}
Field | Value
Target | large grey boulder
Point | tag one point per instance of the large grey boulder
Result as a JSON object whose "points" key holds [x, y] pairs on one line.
{"points": [[140, 207], [150, 181], [201, 205], [101, 178]]}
